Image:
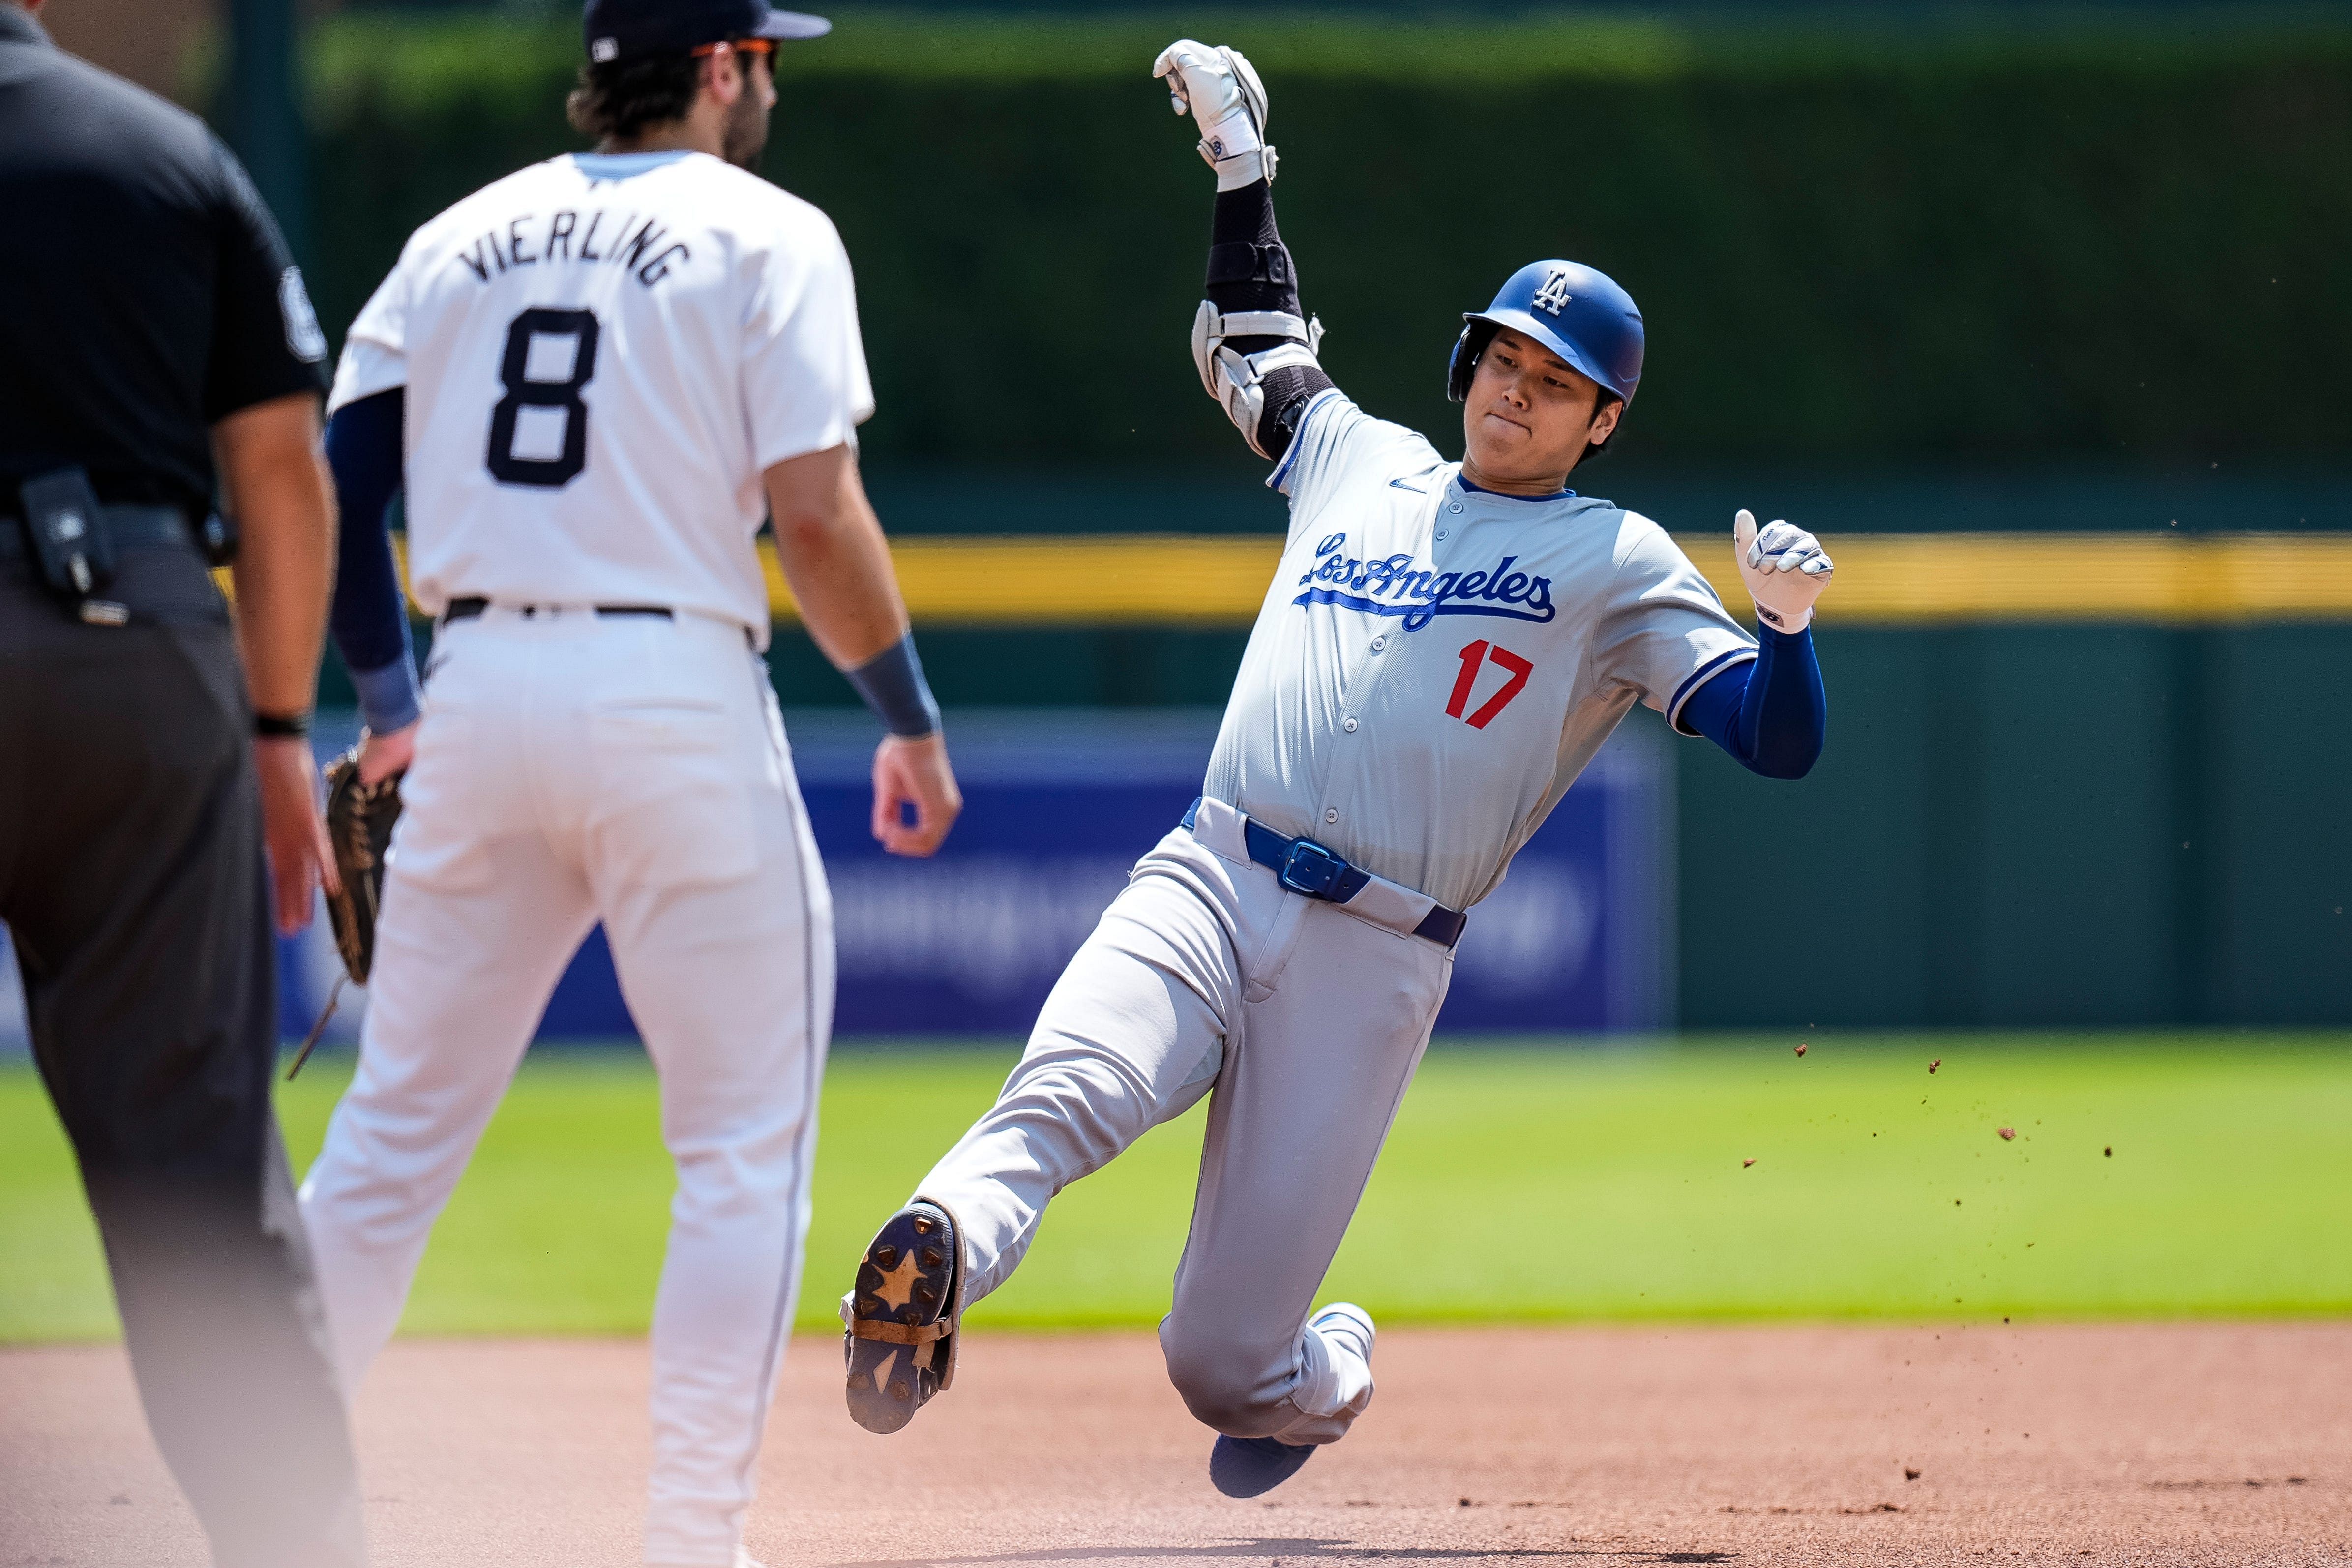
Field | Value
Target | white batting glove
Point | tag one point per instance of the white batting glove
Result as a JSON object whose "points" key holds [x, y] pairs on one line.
{"points": [[1219, 87], [1784, 569]]}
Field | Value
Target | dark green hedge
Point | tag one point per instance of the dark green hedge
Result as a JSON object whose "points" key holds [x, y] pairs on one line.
{"points": [[2120, 236]]}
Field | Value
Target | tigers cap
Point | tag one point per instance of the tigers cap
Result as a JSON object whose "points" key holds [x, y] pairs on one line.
{"points": [[628, 29]]}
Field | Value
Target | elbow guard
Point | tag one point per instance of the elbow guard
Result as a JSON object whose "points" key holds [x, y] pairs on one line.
{"points": [[1237, 379]]}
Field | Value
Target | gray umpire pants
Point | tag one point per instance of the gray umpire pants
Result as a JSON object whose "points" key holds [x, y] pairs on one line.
{"points": [[130, 878], [1305, 1024]]}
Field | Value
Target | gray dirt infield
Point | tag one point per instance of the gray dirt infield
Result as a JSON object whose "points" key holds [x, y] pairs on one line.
{"points": [[2132, 1444]]}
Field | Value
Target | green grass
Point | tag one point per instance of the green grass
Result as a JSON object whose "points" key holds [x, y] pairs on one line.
{"points": [[1520, 1182]]}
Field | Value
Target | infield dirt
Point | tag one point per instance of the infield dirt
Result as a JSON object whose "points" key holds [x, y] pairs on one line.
{"points": [[2134, 1444]]}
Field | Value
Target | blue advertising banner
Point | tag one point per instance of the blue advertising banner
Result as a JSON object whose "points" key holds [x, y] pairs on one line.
{"points": [[1057, 805], [1056, 810]]}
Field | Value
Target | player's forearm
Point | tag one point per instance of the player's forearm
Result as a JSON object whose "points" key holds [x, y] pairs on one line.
{"points": [[370, 620], [1252, 270], [1771, 713], [831, 546], [278, 490]]}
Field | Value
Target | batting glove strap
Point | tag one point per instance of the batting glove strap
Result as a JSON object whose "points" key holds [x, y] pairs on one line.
{"points": [[1264, 324]]}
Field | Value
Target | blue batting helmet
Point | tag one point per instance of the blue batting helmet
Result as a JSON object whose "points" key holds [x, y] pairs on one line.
{"points": [[1579, 314]]}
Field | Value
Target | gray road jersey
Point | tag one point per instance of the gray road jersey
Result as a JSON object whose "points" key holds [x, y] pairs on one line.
{"points": [[1434, 666]]}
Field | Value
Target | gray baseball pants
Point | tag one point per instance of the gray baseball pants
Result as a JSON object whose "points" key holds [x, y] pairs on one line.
{"points": [[1305, 1024]]}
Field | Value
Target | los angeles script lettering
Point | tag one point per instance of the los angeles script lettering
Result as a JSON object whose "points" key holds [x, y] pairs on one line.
{"points": [[1395, 586]]}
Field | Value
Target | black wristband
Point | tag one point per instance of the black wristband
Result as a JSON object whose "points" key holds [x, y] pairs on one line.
{"points": [[283, 725], [892, 685]]}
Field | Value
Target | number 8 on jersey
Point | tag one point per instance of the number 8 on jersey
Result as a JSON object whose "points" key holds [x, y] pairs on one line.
{"points": [[539, 431]]}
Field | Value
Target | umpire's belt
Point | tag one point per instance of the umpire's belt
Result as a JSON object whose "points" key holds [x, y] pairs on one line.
{"points": [[129, 527], [1309, 870]]}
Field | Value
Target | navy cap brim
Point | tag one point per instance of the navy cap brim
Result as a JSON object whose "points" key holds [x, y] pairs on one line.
{"points": [[793, 25]]}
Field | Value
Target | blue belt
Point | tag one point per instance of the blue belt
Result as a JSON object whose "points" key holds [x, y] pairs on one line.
{"points": [[1309, 870]]}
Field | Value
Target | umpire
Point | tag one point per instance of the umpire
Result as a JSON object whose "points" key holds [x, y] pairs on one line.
{"points": [[152, 320]]}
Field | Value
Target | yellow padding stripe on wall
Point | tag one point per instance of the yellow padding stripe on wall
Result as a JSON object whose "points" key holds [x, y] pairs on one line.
{"points": [[1906, 580], [1883, 580], [1077, 579]]}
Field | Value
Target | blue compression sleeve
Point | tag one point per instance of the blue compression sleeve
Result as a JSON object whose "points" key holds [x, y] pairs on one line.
{"points": [[371, 615], [1770, 712]]}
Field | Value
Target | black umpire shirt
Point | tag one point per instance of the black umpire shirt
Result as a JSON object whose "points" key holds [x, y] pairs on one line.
{"points": [[144, 291]]}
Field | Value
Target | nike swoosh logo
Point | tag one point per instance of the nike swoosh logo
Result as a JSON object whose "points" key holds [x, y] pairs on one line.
{"points": [[1401, 485]]}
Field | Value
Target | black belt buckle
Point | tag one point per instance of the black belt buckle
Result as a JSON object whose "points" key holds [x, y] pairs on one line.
{"points": [[68, 533], [1309, 868]]}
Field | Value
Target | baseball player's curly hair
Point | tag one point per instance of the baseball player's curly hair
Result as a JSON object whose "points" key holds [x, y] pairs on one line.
{"points": [[624, 97]]}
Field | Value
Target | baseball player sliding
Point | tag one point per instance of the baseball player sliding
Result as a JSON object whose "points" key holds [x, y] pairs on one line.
{"points": [[604, 370], [1444, 648]]}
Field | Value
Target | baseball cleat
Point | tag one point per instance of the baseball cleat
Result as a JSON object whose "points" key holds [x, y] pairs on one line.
{"points": [[1246, 1467], [900, 1337]]}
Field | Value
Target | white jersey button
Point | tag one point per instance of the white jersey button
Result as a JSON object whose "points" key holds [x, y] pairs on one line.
{"points": [[1455, 507], [1349, 727], [1332, 814], [1379, 643], [1441, 534]]}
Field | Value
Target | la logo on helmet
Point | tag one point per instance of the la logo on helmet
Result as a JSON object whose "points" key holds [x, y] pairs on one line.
{"points": [[1553, 295]]}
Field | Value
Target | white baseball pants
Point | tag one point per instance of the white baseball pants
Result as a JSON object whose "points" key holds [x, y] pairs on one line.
{"points": [[574, 767], [1308, 1022]]}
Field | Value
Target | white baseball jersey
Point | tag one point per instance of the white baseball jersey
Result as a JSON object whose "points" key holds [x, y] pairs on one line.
{"points": [[1434, 664], [602, 352]]}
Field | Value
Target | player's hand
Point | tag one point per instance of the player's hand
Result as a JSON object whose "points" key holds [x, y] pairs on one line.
{"points": [[1783, 567], [388, 755], [299, 857], [1219, 87], [914, 773]]}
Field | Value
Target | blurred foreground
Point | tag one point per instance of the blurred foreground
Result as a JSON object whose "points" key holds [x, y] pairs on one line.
{"points": [[1522, 1183], [2147, 1443]]}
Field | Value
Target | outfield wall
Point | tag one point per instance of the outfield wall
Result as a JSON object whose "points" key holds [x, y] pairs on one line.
{"points": [[1057, 807], [2072, 781], [2051, 825], [2060, 824], [2084, 781]]}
